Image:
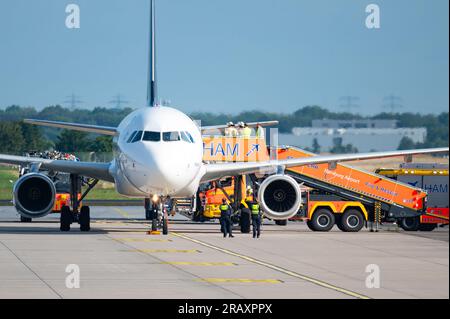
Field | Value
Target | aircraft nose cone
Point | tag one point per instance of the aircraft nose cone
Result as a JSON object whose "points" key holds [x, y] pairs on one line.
{"points": [[166, 173], [172, 169]]}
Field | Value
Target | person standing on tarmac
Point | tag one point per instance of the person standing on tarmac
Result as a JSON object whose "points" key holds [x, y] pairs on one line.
{"points": [[225, 219], [256, 218]]}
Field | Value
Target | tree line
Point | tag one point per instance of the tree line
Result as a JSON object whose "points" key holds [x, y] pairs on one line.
{"points": [[17, 137]]}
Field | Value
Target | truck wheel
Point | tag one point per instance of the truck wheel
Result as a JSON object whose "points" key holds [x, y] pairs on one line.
{"points": [[310, 226], [322, 220], [338, 221], [85, 219], [409, 223], [427, 227], [244, 222], [351, 221], [65, 218], [281, 222]]}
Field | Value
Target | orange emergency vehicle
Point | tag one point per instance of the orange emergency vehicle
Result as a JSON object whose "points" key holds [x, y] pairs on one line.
{"points": [[364, 195], [431, 177]]}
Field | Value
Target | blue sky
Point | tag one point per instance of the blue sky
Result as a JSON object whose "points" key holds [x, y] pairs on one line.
{"points": [[228, 56]]}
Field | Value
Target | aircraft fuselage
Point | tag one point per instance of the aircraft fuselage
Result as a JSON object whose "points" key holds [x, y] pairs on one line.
{"points": [[158, 150]]}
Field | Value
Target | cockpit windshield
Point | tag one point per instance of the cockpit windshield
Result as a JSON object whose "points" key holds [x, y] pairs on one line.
{"points": [[184, 137], [151, 136], [137, 137], [131, 137], [171, 136], [190, 137]]}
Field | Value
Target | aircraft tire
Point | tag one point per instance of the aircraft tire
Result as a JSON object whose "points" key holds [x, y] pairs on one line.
{"points": [[165, 226], [25, 219], [65, 218], [85, 219]]}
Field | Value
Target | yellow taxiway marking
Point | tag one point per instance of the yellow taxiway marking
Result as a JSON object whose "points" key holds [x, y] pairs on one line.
{"points": [[165, 250], [109, 223], [201, 263], [111, 226], [277, 268], [122, 212], [241, 280], [145, 240]]}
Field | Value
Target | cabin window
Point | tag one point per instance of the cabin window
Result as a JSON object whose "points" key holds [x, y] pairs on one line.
{"points": [[151, 136], [171, 136]]}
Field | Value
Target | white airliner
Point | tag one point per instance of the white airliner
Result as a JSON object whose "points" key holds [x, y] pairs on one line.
{"points": [[158, 152]]}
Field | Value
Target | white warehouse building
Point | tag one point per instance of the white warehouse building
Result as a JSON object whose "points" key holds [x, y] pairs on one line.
{"points": [[365, 135]]}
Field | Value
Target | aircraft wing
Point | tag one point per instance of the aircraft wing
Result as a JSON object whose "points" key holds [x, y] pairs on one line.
{"points": [[219, 170], [105, 130], [109, 130], [89, 169], [215, 128]]}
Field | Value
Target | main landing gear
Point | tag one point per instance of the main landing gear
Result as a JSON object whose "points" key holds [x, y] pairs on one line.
{"points": [[77, 214], [157, 210]]}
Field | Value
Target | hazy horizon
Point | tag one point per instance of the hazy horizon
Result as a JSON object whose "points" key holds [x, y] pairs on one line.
{"points": [[219, 112], [228, 56]]}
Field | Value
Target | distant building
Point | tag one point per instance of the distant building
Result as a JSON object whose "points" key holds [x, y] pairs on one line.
{"points": [[365, 135], [325, 123]]}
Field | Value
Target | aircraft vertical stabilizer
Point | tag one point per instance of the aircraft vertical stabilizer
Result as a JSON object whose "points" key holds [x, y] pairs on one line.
{"points": [[151, 80]]}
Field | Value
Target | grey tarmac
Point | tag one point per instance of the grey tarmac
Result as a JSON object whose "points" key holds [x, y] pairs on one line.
{"points": [[118, 259]]}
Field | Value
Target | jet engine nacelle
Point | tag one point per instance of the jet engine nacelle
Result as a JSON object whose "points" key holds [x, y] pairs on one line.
{"points": [[280, 197], [34, 195]]}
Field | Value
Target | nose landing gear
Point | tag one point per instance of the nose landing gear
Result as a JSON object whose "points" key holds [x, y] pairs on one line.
{"points": [[158, 211]]}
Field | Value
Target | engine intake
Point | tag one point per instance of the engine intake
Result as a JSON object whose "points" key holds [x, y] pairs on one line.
{"points": [[280, 197], [34, 195]]}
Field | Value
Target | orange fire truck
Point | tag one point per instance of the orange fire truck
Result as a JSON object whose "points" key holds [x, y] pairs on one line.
{"points": [[434, 179], [343, 195]]}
